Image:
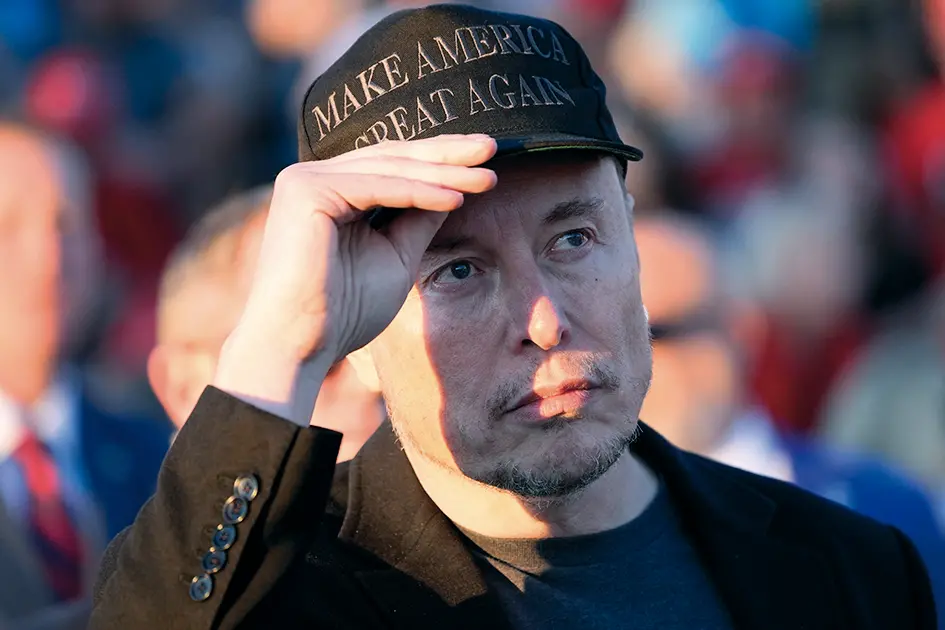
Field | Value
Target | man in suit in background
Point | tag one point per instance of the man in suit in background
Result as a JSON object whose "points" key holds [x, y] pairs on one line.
{"points": [[203, 290], [697, 396], [71, 475]]}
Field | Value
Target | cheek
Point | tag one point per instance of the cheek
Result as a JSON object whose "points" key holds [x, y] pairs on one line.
{"points": [[437, 375], [607, 302], [666, 402], [408, 376], [711, 368]]}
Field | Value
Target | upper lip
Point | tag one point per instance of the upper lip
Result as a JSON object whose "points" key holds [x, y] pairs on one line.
{"points": [[550, 391]]}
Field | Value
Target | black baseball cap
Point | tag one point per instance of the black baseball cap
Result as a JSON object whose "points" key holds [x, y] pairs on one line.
{"points": [[458, 69]]}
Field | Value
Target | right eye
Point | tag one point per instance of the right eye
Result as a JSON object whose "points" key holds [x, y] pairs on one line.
{"points": [[454, 273]]}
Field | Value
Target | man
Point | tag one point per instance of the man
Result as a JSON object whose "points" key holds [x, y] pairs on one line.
{"points": [[698, 403], [71, 475], [514, 486], [899, 374], [203, 290]]}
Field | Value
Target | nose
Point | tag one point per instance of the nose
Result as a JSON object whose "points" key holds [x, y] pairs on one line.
{"points": [[547, 324]]}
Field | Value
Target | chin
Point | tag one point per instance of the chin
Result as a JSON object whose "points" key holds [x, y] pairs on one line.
{"points": [[565, 456]]}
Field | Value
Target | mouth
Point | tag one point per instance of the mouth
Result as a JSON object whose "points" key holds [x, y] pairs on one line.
{"points": [[555, 400]]}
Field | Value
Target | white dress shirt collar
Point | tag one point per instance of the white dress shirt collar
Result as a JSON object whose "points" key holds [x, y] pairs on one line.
{"points": [[52, 415]]}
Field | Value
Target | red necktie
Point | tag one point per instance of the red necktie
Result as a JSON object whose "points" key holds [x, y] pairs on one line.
{"points": [[53, 532]]}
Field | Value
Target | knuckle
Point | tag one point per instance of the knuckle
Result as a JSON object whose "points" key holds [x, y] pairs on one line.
{"points": [[288, 175], [296, 178], [384, 146]]}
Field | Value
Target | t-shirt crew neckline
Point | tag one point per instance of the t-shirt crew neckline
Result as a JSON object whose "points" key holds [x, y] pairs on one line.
{"points": [[535, 555]]}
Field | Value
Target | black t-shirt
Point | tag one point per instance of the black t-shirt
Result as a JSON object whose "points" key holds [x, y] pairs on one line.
{"points": [[642, 575]]}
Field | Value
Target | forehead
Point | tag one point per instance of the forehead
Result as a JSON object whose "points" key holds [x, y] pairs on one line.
{"points": [[530, 188], [212, 287], [24, 161], [677, 268]]}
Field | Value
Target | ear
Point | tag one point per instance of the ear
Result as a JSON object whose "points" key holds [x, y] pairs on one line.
{"points": [[630, 200], [169, 385], [363, 365]]}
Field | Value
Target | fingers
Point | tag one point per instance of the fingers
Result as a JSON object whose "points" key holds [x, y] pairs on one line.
{"points": [[460, 178], [431, 174], [344, 197], [366, 192], [456, 149], [410, 235]]}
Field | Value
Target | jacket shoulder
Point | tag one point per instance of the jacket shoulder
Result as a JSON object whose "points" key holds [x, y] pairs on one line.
{"points": [[865, 555], [799, 513]]}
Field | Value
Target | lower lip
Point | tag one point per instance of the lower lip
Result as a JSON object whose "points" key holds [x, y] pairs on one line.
{"points": [[566, 404]]}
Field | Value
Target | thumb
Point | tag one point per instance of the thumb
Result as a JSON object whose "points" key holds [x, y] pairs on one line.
{"points": [[410, 235]]}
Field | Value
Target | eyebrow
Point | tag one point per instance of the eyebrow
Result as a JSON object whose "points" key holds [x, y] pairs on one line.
{"points": [[446, 245], [573, 209]]}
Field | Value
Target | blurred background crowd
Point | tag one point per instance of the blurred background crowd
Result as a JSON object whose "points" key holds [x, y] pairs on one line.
{"points": [[790, 211]]}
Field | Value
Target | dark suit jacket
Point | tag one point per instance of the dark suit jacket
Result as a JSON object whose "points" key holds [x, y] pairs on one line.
{"points": [[870, 487], [371, 550], [121, 457]]}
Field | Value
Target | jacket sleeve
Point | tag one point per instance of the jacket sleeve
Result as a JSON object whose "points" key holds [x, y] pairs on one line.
{"points": [[148, 572]]}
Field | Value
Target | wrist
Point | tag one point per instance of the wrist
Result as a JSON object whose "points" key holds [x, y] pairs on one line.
{"points": [[272, 379]]}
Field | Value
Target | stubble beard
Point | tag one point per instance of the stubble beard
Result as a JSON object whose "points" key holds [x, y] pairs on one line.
{"points": [[547, 484]]}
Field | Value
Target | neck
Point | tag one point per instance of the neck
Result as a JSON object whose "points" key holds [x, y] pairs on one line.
{"points": [[616, 498], [369, 409], [25, 383]]}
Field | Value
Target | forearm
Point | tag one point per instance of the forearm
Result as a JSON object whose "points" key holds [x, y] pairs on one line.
{"points": [[147, 573], [276, 381]]}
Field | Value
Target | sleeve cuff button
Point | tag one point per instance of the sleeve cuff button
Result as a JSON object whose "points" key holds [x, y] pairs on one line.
{"points": [[201, 587], [214, 561], [246, 487], [224, 538], [234, 510]]}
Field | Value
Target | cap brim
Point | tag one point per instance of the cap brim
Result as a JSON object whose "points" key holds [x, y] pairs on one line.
{"points": [[517, 145], [510, 146]]}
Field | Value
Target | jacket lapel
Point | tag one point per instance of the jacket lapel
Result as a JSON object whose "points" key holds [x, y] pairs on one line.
{"points": [[431, 580], [764, 581], [24, 586]]}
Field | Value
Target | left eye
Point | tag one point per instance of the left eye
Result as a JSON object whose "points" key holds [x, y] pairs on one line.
{"points": [[570, 240]]}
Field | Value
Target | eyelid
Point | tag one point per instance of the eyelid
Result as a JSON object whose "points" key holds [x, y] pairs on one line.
{"points": [[431, 279], [586, 231]]}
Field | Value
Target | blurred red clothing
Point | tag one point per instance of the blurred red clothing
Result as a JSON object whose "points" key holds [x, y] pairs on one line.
{"points": [[138, 224], [791, 379], [915, 152]]}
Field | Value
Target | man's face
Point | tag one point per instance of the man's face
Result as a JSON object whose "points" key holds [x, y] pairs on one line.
{"points": [[694, 394], [530, 289], [48, 246], [207, 309]]}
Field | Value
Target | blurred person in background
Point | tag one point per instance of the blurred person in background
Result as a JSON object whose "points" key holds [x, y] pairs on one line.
{"points": [[203, 290], [913, 143], [296, 28], [798, 254], [316, 32], [699, 400], [713, 73], [891, 400], [71, 475]]}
